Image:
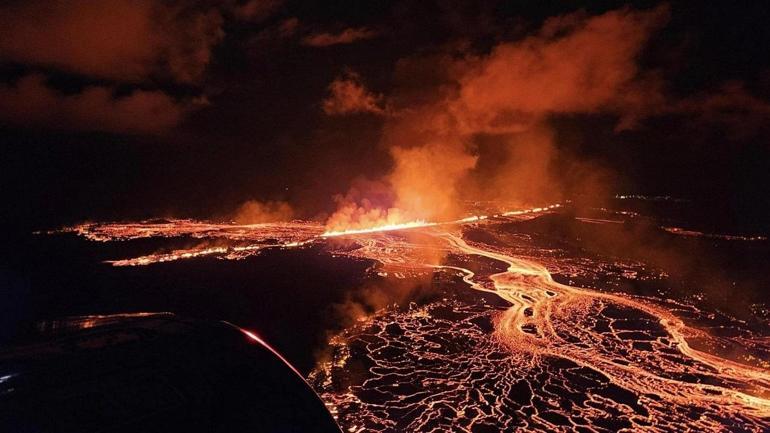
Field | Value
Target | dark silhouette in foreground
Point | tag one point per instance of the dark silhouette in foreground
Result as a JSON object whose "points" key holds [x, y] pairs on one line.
{"points": [[151, 372]]}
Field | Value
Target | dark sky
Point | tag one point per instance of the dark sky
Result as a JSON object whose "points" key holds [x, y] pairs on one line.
{"points": [[124, 109]]}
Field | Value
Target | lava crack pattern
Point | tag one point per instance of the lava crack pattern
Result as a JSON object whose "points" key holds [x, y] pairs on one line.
{"points": [[542, 356]]}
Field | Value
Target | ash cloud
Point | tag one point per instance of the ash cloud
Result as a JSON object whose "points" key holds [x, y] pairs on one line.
{"points": [[365, 203], [574, 64]]}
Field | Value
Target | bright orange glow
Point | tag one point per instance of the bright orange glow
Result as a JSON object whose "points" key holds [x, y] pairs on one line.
{"points": [[421, 223], [379, 228]]}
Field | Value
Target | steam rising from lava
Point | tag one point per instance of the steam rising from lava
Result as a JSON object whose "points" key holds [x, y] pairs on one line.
{"points": [[440, 135], [256, 212]]}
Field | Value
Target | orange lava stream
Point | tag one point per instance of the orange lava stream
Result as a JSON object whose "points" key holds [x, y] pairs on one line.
{"points": [[529, 285], [549, 320]]}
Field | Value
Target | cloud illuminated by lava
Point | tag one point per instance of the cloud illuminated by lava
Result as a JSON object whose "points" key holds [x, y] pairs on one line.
{"points": [[112, 45], [256, 212], [31, 102], [346, 36], [347, 95], [575, 64], [114, 39]]}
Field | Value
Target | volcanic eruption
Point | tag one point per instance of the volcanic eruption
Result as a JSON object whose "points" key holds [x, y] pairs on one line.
{"points": [[476, 262]]}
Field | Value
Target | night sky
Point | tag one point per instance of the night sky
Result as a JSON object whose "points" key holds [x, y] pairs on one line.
{"points": [[124, 109]]}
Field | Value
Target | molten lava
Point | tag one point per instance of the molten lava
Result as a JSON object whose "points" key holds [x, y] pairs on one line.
{"points": [[552, 357], [250, 238], [506, 347], [379, 228]]}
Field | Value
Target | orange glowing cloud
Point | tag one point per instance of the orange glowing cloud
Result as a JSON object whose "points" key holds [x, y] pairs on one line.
{"points": [[30, 102], [255, 10], [111, 44], [575, 64], [731, 106], [126, 40], [366, 204], [348, 95], [426, 178], [347, 36]]}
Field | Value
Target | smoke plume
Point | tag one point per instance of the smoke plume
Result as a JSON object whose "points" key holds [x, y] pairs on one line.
{"points": [[440, 130]]}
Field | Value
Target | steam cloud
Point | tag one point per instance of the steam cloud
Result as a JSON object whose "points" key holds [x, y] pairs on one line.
{"points": [[256, 212], [438, 134]]}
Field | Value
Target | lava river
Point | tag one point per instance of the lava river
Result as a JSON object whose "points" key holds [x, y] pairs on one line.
{"points": [[549, 357]]}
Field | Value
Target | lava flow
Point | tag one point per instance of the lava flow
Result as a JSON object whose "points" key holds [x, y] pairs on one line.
{"points": [[237, 241], [225, 240], [504, 346], [549, 357]]}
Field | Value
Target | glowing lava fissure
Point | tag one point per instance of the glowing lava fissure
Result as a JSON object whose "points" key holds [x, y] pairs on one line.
{"points": [[225, 240], [249, 239]]}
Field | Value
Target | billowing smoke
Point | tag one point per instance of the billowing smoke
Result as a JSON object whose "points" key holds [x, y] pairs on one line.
{"points": [[481, 126]]}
